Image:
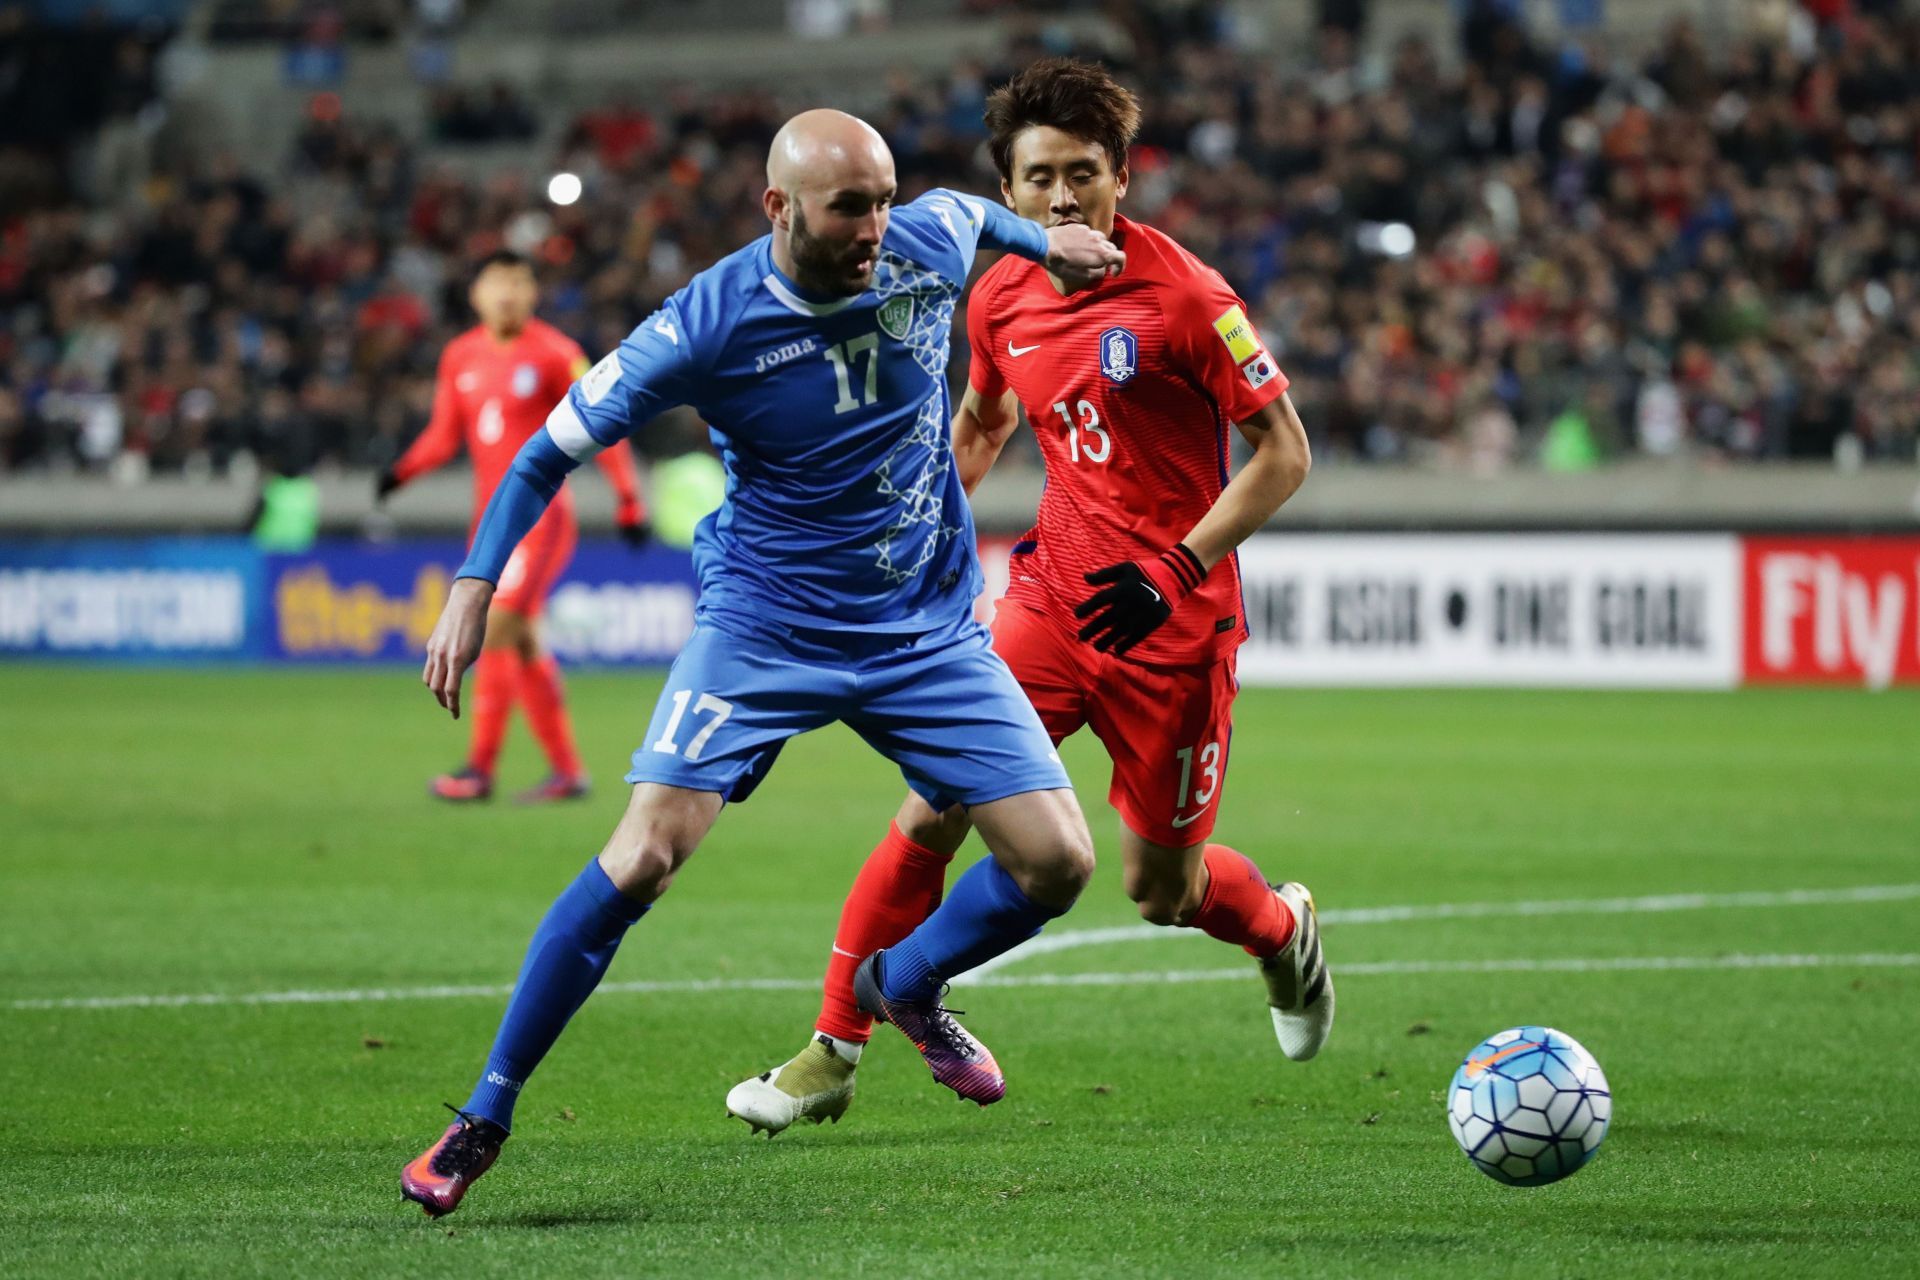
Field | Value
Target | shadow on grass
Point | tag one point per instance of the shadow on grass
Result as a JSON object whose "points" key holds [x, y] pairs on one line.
{"points": [[606, 1215]]}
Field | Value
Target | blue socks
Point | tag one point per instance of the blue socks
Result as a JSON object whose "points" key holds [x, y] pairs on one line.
{"points": [[984, 915], [569, 952]]}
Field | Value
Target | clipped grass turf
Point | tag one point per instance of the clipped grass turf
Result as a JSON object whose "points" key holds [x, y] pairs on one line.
{"points": [[171, 832]]}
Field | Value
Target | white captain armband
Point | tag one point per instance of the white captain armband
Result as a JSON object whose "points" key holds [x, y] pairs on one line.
{"points": [[568, 431]]}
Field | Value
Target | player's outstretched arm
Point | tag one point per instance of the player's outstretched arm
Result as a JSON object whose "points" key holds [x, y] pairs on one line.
{"points": [[1076, 254], [981, 429], [538, 471], [650, 371], [436, 445]]}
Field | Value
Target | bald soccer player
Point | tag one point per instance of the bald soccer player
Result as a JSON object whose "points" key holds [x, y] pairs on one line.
{"points": [[836, 583]]}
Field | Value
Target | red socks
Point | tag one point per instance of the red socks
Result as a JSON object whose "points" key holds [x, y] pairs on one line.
{"points": [[496, 681], [1240, 907], [546, 706], [901, 883], [500, 677], [897, 888]]}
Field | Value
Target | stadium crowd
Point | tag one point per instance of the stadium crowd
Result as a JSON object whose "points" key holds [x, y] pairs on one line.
{"points": [[1546, 257]]}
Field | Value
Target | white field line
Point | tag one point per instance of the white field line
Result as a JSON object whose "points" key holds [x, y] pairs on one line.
{"points": [[1604, 964], [1240, 973], [1073, 939], [373, 995]]}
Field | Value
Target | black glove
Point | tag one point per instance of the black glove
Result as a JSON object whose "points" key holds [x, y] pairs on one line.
{"points": [[1136, 596], [636, 533], [385, 485]]}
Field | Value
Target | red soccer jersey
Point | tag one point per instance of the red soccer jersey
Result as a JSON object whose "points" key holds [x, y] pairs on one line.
{"points": [[491, 396], [1131, 388]]}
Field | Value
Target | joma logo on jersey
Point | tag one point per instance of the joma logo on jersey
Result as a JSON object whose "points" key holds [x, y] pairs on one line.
{"points": [[1119, 355], [896, 317], [780, 355]]}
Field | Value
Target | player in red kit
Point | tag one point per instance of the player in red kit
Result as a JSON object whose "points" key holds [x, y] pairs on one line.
{"points": [[496, 385], [1123, 612]]}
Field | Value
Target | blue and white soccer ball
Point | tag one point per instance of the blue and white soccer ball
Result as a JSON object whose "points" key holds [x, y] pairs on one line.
{"points": [[1529, 1106]]}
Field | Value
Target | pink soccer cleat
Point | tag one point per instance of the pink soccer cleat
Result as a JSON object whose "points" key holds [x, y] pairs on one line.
{"points": [[462, 786], [555, 787], [439, 1176], [956, 1059]]}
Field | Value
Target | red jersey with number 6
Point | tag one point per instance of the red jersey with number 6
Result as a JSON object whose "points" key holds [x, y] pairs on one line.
{"points": [[490, 396], [1131, 388]]}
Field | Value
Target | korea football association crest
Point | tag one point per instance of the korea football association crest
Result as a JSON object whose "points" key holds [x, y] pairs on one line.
{"points": [[896, 316], [1119, 355], [526, 380]]}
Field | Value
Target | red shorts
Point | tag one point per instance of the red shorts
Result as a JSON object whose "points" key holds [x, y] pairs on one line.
{"points": [[536, 564], [1166, 729]]}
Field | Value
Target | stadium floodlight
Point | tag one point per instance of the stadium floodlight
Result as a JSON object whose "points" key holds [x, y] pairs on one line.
{"points": [[563, 188], [1387, 239]]}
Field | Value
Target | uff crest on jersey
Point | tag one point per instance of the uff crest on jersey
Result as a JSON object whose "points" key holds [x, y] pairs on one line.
{"points": [[1119, 355], [526, 380], [896, 316]]}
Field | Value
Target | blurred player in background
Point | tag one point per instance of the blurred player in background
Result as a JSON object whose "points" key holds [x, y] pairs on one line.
{"points": [[837, 582], [1124, 609], [496, 385]]}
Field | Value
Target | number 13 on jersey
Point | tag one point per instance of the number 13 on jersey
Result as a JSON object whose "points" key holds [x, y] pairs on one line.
{"points": [[1098, 446]]}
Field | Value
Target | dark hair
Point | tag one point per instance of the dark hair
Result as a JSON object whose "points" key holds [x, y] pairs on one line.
{"points": [[1078, 98], [502, 258]]}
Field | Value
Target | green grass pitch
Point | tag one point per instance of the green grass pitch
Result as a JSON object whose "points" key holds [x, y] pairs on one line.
{"points": [[166, 833]]}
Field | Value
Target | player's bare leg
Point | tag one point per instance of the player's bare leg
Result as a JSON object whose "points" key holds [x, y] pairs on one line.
{"points": [[1167, 884], [496, 686], [1041, 839], [656, 835], [1041, 857], [899, 886], [543, 698], [570, 951], [1221, 892]]}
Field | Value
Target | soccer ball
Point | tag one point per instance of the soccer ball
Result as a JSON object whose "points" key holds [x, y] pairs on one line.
{"points": [[1529, 1106]]}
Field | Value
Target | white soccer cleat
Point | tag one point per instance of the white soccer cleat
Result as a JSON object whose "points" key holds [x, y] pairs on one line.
{"points": [[815, 1084], [1299, 988]]}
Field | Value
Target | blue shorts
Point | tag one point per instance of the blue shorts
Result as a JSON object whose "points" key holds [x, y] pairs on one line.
{"points": [[940, 704]]}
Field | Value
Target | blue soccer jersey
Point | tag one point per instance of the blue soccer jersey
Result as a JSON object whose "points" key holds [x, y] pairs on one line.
{"points": [[831, 416]]}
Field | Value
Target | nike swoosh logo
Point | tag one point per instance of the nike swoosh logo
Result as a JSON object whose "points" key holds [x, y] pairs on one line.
{"points": [[1179, 821], [841, 951], [1476, 1065], [1157, 597], [1017, 352]]}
